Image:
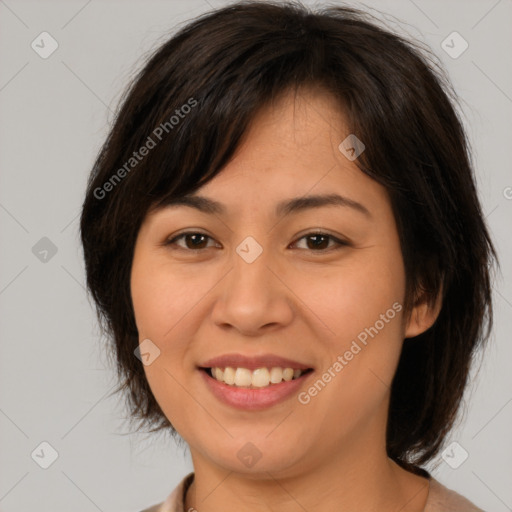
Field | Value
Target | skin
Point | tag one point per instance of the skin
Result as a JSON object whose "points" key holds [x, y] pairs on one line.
{"points": [[294, 300]]}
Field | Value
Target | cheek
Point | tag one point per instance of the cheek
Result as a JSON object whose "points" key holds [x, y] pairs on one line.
{"points": [[361, 306], [169, 305], [161, 296], [352, 296]]}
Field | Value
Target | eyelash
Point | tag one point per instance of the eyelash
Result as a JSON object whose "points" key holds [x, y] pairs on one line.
{"points": [[340, 243]]}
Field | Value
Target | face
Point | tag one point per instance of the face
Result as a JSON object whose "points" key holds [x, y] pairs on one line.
{"points": [[320, 284]]}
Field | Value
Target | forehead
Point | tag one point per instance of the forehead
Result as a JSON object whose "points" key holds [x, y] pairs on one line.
{"points": [[289, 160]]}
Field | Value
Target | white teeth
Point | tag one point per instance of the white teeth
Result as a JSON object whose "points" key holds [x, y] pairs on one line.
{"points": [[229, 375], [288, 374], [243, 377], [259, 378], [276, 375]]}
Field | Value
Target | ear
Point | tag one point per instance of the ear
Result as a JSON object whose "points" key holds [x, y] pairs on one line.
{"points": [[423, 314]]}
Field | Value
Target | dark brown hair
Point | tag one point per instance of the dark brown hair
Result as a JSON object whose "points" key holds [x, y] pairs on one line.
{"points": [[190, 107]]}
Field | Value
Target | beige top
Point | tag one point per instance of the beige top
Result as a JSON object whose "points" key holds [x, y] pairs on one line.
{"points": [[440, 499]]}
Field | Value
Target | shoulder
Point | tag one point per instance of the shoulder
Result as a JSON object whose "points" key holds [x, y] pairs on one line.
{"points": [[154, 508], [175, 500], [442, 499]]}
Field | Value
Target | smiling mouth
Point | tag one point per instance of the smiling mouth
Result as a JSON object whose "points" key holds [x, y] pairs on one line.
{"points": [[259, 378]]}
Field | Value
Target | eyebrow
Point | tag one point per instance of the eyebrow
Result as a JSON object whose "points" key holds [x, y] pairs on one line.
{"points": [[294, 205]]}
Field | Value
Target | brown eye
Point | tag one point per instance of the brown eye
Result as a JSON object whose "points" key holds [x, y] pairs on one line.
{"points": [[192, 241], [195, 241], [319, 242]]}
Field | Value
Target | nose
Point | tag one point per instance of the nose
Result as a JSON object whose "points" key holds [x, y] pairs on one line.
{"points": [[253, 297]]}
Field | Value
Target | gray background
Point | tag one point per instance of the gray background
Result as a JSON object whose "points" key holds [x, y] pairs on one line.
{"points": [[54, 374]]}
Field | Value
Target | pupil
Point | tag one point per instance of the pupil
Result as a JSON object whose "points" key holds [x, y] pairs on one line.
{"points": [[318, 242], [195, 239]]}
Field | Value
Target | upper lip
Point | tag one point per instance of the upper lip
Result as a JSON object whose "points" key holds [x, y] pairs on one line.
{"points": [[253, 362]]}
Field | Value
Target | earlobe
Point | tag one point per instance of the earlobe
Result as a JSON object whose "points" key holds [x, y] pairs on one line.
{"points": [[423, 315]]}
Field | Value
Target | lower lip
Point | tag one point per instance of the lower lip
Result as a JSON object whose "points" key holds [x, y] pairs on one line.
{"points": [[251, 399]]}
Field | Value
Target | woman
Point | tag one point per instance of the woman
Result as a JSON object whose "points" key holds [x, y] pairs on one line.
{"points": [[284, 242]]}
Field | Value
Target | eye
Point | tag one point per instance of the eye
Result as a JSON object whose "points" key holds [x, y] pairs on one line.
{"points": [[320, 241], [195, 241]]}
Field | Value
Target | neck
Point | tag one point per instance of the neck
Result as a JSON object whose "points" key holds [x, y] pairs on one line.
{"points": [[370, 482]]}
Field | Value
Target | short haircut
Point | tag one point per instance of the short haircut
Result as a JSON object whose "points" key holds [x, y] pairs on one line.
{"points": [[191, 105]]}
